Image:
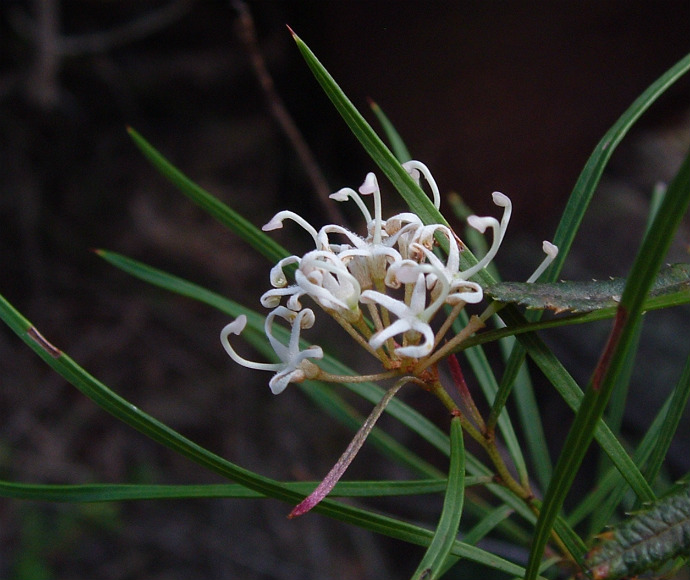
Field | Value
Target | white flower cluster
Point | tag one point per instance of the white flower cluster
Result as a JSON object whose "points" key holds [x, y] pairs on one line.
{"points": [[393, 270]]}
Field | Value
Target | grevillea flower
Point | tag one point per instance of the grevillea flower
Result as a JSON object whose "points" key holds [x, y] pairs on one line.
{"points": [[324, 276], [412, 318], [384, 287], [294, 366]]}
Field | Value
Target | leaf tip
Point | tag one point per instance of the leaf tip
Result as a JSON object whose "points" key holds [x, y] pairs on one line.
{"points": [[303, 507]]}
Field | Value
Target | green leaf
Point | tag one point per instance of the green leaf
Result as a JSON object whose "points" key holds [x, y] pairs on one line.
{"points": [[614, 417], [530, 416], [649, 258], [227, 216], [397, 144], [161, 433], [611, 484], [676, 410], [591, 173], [369, 391], [422, 206], [432, 563], [100, 492], [402, 412], [416, 199], [672, 284], [502, 393], [488, 523], [646, 541]]}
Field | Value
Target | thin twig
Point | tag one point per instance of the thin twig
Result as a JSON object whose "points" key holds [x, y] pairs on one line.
{"points": [[281, 114], [43, 84], [137, 29], [47, 21], [52, 46]]}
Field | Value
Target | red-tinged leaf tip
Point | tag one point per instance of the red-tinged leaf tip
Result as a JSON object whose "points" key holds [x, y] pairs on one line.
{"points": [[292, 32], [328, 483], [303, 507], [337, 471]]}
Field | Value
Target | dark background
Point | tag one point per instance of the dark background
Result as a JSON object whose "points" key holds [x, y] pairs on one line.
{"points": [[489, 95]]}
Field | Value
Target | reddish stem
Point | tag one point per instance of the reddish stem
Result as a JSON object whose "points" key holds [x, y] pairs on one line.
{"points": [[611, 344]]}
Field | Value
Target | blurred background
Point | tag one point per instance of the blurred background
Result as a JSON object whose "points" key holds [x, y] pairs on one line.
{"points": [[507, 96]]}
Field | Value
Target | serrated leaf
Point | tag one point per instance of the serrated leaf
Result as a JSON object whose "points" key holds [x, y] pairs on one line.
{"points": [[587, 296], [645, 541]]}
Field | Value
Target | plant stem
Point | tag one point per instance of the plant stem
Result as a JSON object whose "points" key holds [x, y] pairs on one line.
{"points": [[474, 324]]}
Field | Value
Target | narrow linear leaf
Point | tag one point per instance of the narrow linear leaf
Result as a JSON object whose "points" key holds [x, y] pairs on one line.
{"points": [[105, 492], [571, 393], [439, 549], [529, 415], [612, 484], [679, 401], [417, 200], [397, 144], [371, 392], [227, 216], [491, 520], [402, 412], [590, 176], [614, 417], [488, 523], [161, 433], [513, 365], [644, 270]]}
